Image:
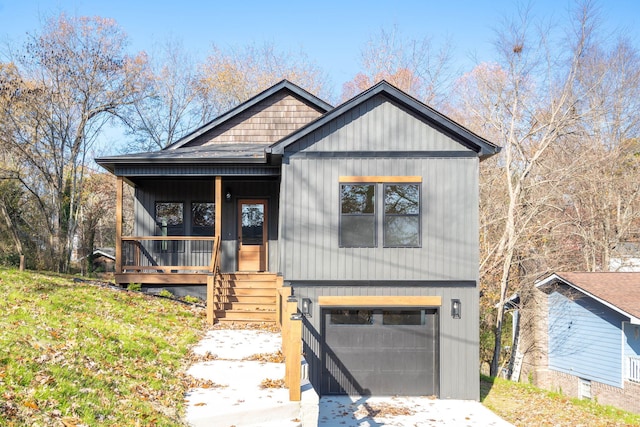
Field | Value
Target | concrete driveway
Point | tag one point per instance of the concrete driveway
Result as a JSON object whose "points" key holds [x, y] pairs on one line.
{"points": [[237, 398]]}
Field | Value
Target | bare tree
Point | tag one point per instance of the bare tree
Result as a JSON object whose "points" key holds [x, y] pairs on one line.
{"points": [[69, 80], [228, 78], [415, 66], [170, 112], [533, 102]]}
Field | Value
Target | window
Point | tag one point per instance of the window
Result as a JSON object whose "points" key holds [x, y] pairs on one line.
{"points": [[170, 222], [400, 207], [203, 216], [401, 215], [357, 215], [351, 317], [170, 218]]}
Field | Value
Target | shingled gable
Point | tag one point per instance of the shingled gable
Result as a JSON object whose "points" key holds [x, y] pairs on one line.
{"points": [[282, 88], [445, 125], [619, 291]]}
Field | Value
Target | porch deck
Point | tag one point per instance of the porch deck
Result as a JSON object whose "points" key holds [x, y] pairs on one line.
{"points": [[188, 260]]}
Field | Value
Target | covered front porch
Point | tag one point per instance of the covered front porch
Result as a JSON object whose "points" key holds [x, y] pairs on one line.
{"points": [[214, 235]]}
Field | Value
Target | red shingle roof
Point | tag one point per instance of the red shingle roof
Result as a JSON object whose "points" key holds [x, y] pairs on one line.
{"points": [[621, 290]]}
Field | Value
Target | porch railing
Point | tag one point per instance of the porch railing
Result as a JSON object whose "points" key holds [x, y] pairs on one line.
{"points": [[168, 254], [633, 368]]}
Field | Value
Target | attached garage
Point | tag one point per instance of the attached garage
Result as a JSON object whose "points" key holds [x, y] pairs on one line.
{"points": [[380, 350]]}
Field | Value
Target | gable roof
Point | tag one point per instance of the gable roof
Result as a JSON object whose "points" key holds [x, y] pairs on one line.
{"points": [[618, 291], [283, 85], [483, 147]]}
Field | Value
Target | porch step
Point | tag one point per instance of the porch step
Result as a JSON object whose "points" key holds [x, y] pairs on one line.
{"points": [[245, 316], [247, 297]]}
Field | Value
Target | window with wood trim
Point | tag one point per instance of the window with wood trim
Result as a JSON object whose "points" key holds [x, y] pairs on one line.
{"points": [[400, 207], [357, 215]]}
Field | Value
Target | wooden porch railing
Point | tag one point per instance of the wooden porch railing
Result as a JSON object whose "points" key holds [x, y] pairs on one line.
{"points": [[633, 368], [213, 283], [167, 254]]}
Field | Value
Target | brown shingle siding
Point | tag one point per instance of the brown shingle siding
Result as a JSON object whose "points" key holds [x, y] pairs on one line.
{"points": [[265, 123]]}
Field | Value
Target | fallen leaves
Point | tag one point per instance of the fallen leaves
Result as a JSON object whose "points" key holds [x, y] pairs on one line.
{"points": [[270, 383], [276, 357]]}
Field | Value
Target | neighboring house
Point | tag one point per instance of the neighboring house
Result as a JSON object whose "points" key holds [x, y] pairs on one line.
{"points": [[367, 212], [104, 260], [593, 336]]}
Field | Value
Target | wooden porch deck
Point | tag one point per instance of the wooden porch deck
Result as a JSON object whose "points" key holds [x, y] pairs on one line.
{"points": [[239, 296]]}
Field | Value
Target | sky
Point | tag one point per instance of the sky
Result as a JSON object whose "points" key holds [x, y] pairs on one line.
{"points": [[331, 33]]}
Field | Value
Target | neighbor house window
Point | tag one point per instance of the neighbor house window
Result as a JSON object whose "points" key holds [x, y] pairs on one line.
{"points": [[202, 218], [401, 215], [357, 215]]}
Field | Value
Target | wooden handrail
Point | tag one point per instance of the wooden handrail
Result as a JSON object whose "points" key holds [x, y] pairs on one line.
{"points": [[176, 238]]}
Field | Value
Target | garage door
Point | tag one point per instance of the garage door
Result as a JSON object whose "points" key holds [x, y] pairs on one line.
{"points": [[380, 351]]}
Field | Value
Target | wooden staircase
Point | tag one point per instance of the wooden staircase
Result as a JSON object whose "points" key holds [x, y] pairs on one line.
{"points": [[245, 297]]}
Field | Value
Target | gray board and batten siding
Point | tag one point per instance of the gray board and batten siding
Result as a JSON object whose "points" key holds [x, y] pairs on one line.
{"points": [[188, 191], [380, 137], [310, 193], [457, 340]]}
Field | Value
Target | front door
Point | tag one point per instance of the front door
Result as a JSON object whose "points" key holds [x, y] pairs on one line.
{"points": [[252, 235]]}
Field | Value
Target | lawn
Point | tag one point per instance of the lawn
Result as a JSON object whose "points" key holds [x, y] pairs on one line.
{"points": [[74, 354], [524, 405]]}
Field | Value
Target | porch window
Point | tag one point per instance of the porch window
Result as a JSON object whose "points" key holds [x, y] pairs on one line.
{"points": [[202, 218], [357, 216], [170, 218], [401, 215]]}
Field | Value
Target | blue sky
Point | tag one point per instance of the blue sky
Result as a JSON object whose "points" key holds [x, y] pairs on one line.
{"points": [[331, 33]]}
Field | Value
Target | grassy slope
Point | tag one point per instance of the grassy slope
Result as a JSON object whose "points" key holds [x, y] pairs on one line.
{"points": [[73, 354], [525, 405]]}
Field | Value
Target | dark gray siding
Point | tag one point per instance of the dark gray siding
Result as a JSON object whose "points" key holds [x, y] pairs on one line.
{"points": [[377, 125], [310, 221], [148, 192], [458, 340]]}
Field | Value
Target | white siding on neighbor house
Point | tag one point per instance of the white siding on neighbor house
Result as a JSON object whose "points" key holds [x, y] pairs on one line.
{"points": [[585, 339]]}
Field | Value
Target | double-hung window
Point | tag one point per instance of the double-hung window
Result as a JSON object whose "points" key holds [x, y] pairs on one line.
{"points": [[401, 215], [357, 215], [395, 215]]}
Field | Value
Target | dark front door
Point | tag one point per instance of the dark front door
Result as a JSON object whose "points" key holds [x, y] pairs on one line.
{"points": [[252, 235], [389, 351]]}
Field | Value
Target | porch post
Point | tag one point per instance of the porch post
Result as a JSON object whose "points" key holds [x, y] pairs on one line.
{"points": [[119, 183], [211, 279], [218, 206]]}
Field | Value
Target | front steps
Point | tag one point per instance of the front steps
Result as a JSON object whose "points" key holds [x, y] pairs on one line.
{"points": [[246, 297]]}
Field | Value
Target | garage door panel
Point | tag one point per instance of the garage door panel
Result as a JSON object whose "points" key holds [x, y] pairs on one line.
{"points": [[381, 355]]}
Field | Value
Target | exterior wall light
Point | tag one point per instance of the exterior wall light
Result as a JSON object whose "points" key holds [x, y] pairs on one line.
{"points": [[456, 308], [306, 307], [227, 195]]}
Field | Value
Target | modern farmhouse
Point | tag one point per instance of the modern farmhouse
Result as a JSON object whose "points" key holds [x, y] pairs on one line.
{"points": [[367, 212]]}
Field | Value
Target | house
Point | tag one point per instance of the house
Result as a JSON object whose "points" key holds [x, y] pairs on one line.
{"points": [[592, 336], [367, 213]]}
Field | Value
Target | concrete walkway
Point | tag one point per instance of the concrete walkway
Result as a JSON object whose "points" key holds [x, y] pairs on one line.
{"points": [[238, 399]]}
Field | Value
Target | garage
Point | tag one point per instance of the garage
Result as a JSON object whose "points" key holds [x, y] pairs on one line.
{"points": [[380, 351]]}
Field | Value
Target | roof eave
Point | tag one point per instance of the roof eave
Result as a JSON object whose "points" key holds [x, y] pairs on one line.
{"points": [[482, 147], [555, 278]]}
